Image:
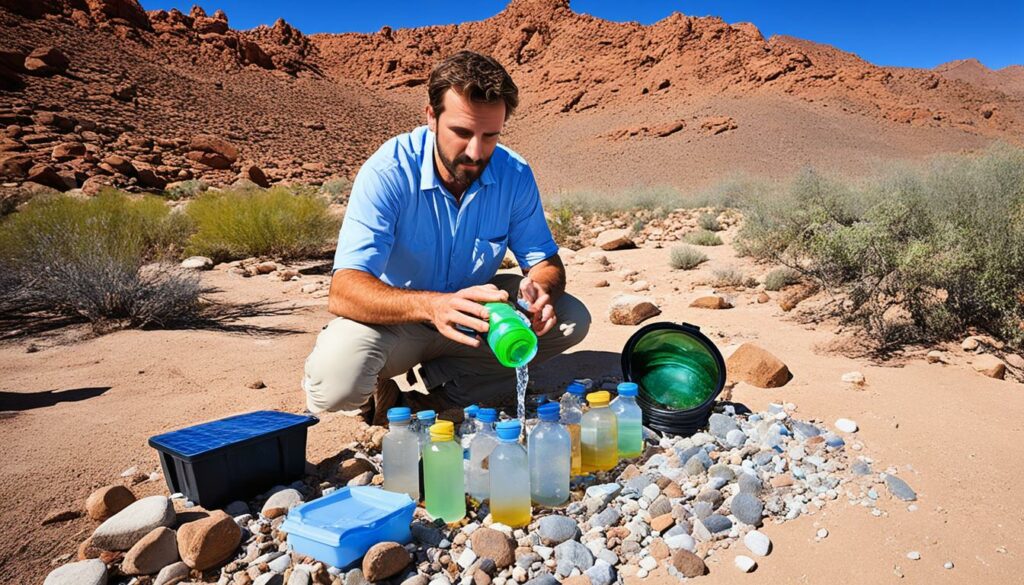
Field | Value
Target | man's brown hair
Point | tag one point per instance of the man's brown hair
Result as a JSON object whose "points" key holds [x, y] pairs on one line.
{"points": [[477, 77]]}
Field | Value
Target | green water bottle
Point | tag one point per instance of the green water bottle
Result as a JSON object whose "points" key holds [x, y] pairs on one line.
{"points": [[510, 337], [443, 480]]}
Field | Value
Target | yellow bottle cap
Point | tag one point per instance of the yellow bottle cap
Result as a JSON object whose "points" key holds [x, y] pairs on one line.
{"points": [[442, 430], [599, 398]]}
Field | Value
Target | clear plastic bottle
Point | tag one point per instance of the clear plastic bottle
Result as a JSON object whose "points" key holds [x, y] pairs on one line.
{"points": [[572, 413], [550, 451], [444, 486], [478, 478], [599, 434], [467, 430], [510, 477], [400, 455], [630, 417], [425, 419]]}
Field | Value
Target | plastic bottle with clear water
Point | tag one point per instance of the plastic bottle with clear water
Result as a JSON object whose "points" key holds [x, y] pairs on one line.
{"points": [[630, 417], [510, 477], [599, 434], [400, 454], [550, 452], [572, 414], [443, 482], [478, 479], [425, 419]]}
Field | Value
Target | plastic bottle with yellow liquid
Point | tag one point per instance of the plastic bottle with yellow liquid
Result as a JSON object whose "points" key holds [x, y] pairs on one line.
{"points": [[443, 480], [572, 414], [510, 478], [599, 434]]}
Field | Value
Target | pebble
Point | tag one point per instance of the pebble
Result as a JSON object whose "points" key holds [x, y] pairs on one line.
{"points": [[822, 533], [745, 563], [609, 517], [716, 523], [899, 488], [747, 508], [651, 492], [914, 555], [948, 565], [571, 554], [604, 492], [846, 425], [556, 529], [758, 543], [681, 542], [649, 563], [602, 573]]}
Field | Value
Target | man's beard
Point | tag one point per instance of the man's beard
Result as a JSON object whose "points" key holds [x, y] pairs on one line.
{"points": [[461, 176]]}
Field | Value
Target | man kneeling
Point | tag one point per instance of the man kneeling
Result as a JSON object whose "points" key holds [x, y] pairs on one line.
{"points": [[427, 226]]}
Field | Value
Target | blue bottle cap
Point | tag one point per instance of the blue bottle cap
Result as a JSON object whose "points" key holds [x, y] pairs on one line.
{"points": [[627, 389], [576, 388], [426, 415], [508, 430], [487, 415], [399, 414], [549, 412], [470, 411]]}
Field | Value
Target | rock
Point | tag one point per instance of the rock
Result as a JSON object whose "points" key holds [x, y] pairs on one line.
{"points": [[822, 533], [280, 502], [427, 534], [711, 302], [990, 366], [717, 124], [572, 554], [899, 488], [172, 574], [609, 517], [716, 523], [214, 144], [153, 552], [601, 283], [602, 573], [385, 560], [1015, 360], [614, 239], [61, 516], [93, 185], [266, 268], [46, 61], [206, 543], [747, 508], [846, 425], [689, 564], [299, 577], [90, 572], [269, 579], [970, 344], [122, 530], [47, 176], [352, 468], [745, 563], [256, 175], [853, 378], [720, 425], [762, 298], [543, 579], [914, 555], [632, 309], [209, 159], [491, 544], [67, 151], [757, 543], [556, 529], [660, 506], [756, 366], [604, 492], [935, 356], [748, 484], [197, 263], [663, 522], [681, 542]]}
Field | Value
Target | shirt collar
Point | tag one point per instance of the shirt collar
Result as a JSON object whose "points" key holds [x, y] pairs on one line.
{"points": [[429, 179]]}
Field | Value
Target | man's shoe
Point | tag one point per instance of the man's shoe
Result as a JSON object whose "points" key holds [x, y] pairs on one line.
{"points": [[386, 395]]}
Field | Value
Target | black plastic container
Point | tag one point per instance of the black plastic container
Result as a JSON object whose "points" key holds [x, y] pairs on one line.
{"points": [[656, 415], [234, 458]]}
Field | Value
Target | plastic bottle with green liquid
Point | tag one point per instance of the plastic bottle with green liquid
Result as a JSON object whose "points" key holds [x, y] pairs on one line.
{"points": [[599, 434], [510, 337], [443, 482], [630, 417], [550, 452], [572, 414], [510, 477]]}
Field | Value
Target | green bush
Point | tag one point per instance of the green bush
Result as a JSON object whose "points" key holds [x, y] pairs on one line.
{"points": [[686, 257], [703, 238], [562, 223], [337, 189], [110, 260], [924, 253], [781, 277], [186, 189], [277, 222], [709, 222], [728, 276]]}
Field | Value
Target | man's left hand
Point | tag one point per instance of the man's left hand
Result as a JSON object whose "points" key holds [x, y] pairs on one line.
{"points": [[542, 312]]}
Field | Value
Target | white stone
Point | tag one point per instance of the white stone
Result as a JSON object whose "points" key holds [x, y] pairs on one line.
{"points": [[286, 498], [846, 425], [948, 565], [172, 574], [681, 541], [197, 263], [651, 492], [914, 555], [758, 543], [649, 563], [91, 572], [122, 530], [855, 378], [822, 533], [466, 558], [745, 563]]}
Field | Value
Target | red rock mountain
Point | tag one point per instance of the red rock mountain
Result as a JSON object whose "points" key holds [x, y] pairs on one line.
{"points": [[101, 90]]}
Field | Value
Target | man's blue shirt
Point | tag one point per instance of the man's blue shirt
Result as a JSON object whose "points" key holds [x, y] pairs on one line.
{"points": [[405, 228]]}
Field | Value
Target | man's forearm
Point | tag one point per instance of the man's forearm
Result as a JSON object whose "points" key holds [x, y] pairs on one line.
{"points": [[362, 297], [550, 275]]}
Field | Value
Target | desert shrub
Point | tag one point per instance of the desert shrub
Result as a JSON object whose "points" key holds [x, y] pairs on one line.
{"points": [[686, 257], [279, 222], [562, 223], [780, 278], [106, 260], [923, 253], [709, 222], [185, 189], [703, 238], [337, 189], [728, 276]]}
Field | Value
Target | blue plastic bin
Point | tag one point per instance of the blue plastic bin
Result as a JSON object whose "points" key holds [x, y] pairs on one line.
{"points": [[235, 457], [340, 527]]}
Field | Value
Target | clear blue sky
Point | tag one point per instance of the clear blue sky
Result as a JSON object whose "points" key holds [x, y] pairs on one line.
{"points": [[909, 33]]}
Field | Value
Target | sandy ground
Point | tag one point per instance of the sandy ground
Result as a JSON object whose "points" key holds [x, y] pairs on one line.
{"points": [[75, 415]]}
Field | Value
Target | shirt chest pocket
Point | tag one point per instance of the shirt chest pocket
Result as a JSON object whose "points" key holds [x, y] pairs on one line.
{"points": [[488, 253]]}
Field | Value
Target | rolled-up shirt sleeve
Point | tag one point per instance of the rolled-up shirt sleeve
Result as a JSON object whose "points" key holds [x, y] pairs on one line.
{"points": [[529, 236], [368, 231]]}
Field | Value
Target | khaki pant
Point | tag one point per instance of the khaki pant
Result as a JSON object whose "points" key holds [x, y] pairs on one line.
{"points": [[350, 357]]}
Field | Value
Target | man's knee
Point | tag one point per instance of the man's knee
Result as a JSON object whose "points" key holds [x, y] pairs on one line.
{"points": [[341, 371]]}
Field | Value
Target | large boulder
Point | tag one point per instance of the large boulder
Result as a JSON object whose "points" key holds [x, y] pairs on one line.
{"points": [[206, 543], [107, 501], [128, 11], [614, 240], [122, 530], [46, 175], [46, 61], [754, 365], [989, 365], [155, 551], [632, 309], [214, 144]]}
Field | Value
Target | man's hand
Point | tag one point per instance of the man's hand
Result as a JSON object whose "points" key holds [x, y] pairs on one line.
{"points": [[464, 308], [542, 312]]}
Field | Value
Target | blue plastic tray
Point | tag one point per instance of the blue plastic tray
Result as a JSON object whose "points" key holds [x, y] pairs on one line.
{"points": [[340, 527]]}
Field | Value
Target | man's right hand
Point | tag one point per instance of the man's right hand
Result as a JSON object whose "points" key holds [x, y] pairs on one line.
{"points": [[464, 308]]}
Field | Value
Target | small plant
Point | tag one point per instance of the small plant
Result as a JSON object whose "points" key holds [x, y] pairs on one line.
{"points": [[277, 222], [686, 258], [638, 226], [337, 189], [709, 222], [186, 189], [561, 222], [780, 278], [703, 238], [727, 276]]}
